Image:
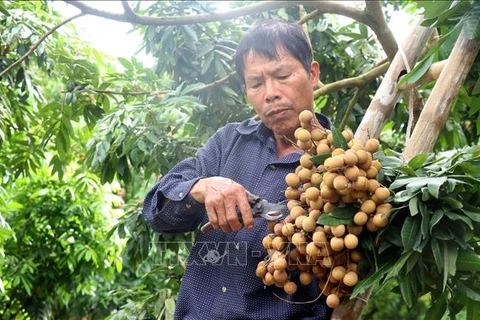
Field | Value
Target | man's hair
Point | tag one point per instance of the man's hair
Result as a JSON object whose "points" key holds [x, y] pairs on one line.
{"points": [[264, 39]]}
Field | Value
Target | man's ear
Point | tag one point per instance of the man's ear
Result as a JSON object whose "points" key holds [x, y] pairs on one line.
{"points": [[314, 73], [244, 87]]}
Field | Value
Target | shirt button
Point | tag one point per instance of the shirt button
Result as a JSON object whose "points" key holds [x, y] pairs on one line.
{"points": [[188, 205], [180, 194], [271, 166], [224, 289]]}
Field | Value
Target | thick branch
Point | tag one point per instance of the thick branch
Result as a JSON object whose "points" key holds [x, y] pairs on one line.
{"points": [[358, 81], [435, 114], [376, 21], [29, 52]]}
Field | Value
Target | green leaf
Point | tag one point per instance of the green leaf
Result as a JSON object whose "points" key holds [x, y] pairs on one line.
{"points": [[125, 63], [4, 11], [473, 310], [471, 25], [468, 260], [320, 159], [398, 265], [406, 286], [403, 196], [437, 216], [418, 161], [434, 185], [373, 278], [413, 206], [339, 140], [419, 71], [410, 231], [469, 289], [438, 308]]}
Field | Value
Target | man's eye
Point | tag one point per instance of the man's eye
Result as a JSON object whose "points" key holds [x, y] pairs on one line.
{"points": [[283, 77], [255, 85]]}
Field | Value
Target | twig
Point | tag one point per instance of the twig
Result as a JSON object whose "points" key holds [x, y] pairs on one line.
{"points": [[350, 107], [216, 83], [49, 32]]}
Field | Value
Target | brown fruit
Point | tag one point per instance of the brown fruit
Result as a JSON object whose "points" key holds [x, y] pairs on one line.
{"points": [[362, 156], [368, 206], [317, 204], [309, 224], [298, 239], [329, 177], [373, 185], [312, 193], [337, 244], [288, 229], [332, 300], [338, 231], [341, 182], [351, 241], [350, 278], [280, 263], [318, 134], [267, 241], [347, 134], [279, 243], [315, 214], [293, 193], [360, 218], [305, 161], [382, 194], [361, 184], [304, 174], [350, 158], [305, 278], [355, 256], [356, 230], [337, 152], [380, 220], [372, 172], [292, 180], [377, 165], [316, 179], [319, 238], [338, 272], [371, 145], [290, 287], [305, 116], [323, 148], [297, 211], [280, 275], [299, 221], [303, 135]]}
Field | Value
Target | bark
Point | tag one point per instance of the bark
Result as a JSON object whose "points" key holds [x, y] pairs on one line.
{"points": [[387, 94], [436, 110]]}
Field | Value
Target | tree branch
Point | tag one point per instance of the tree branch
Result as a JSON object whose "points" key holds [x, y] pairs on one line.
{"points": [[432, 74], [29, 52], [376, 21], [216, 83], [128, 11], [351, 105], [358, 81]]}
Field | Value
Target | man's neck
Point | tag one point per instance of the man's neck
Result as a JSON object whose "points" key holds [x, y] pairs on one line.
{"points": [[285, 146]]}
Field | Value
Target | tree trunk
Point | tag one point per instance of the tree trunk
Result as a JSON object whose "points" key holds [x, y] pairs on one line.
{"points": [[387, 94], [436, 110]]}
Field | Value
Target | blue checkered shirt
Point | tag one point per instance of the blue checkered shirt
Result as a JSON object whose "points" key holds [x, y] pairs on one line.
{"points": [[219, 281]]}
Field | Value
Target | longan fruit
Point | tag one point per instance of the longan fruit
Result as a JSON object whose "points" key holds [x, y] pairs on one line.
{"points": [[304, 174], [367, 164], [330, 138], [328, 207], [305, 278], [268, 279], [371, 145], [312, 193], [280, 263], [280, 276], [299, 221], [319, 238], [361, 184], [338, 231], [380, 220], [347, 198], [347, 134], [303, 135], [384, 208], [382, 194], [292, 203], [329, 177], [332, 301], [371, 226], [377, 165], [290, 287], [356, 230], [341, 182], [323, 148], [309, 224], [328, 193], [292, 180], [279, 243], [338, 272], [368, 206], [337, 151], [351, 241], [292, 193], [360, 218], [317, 134], [327, 261], [305, 161], [372, 172], [298, 239], [362, 156], [305, 145], [315, 214], [313, 250], [305, 116], [350, 158], [288, 229], [261, 269], [297, 211], [350, 279], [317, 204], [267, 241], [355, 256], [337, 244], [373, 185], [352, 267]]}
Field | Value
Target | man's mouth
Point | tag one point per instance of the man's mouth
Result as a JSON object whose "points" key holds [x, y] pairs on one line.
{"points": [[277, 112]]}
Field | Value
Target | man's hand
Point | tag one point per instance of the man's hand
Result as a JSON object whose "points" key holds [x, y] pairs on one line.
{"points": [[221, 197]]}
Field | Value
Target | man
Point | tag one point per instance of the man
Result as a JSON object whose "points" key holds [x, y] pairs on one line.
{"points": [[274, 59]]}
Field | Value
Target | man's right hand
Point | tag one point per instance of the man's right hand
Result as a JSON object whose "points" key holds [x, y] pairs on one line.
{"points": [[221, 197]]}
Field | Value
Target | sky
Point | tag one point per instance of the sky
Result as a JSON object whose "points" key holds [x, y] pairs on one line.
{"points": [[112, 38]]}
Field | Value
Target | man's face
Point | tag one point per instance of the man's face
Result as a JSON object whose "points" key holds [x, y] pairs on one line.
{"points": [[279, 90]]}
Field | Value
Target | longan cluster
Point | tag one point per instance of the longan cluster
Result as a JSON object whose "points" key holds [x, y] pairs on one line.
{"points": [[346, 178]]}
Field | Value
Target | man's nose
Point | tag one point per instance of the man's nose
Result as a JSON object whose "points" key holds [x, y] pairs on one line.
{"points": [[271, 91]]}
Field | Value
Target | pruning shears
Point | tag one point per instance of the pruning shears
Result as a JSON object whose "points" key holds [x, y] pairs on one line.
{"points": [[261, 209]]}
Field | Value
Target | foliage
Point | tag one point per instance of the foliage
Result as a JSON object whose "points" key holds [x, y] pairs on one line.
{"points": [[58, 238], [431, 242]]}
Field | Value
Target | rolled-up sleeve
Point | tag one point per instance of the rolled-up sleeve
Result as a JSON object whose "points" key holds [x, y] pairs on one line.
{"points": [[182, 213]]}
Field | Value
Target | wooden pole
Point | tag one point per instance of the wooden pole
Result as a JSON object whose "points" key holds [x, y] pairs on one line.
{"points": [[436, 110], [387, 94]]}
